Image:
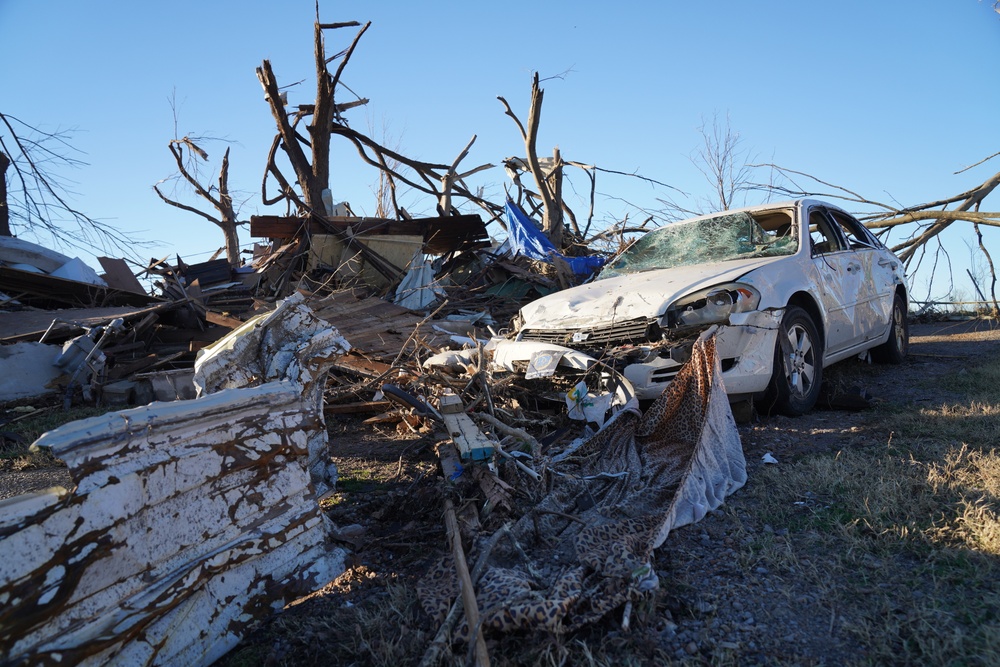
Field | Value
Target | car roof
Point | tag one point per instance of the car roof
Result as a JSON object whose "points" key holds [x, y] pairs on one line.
{"points": [[771, 206]]}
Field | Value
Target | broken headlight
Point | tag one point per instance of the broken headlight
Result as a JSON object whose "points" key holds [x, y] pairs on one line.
{"points": [[516, 323], [714, 305]]}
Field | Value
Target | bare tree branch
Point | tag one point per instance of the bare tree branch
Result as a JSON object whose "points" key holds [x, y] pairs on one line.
{"points": [[38, 201], [226, 220]]}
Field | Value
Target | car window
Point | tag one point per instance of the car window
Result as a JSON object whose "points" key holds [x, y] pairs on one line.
{"points": [[822, 233], [857, 234], [721, 238]]}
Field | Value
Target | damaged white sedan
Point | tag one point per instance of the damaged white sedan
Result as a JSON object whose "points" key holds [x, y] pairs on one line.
{"points": [[792, 287]]}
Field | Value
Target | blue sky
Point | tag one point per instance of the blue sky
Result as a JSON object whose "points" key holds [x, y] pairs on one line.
{"points": [[885, 97]]}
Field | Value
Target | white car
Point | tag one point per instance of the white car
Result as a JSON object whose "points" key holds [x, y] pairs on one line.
{"points": [[793, 287]]}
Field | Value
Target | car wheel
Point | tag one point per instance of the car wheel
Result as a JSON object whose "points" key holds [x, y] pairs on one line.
{"points": [[894, 350], [798, 365]]}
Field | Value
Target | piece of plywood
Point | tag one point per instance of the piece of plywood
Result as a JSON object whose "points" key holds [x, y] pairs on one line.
{"points": [[118, 276]]}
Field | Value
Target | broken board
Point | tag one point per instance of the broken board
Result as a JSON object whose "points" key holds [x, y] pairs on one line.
{"points": [[472, 444]]}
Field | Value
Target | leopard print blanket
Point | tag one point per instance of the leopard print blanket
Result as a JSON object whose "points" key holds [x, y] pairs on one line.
{"points": [[591, 538]]}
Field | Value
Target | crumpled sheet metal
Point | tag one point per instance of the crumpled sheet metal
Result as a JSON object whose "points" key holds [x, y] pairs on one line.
{"points": [[289, 343], [508, 354], [419, 288], [190, 521]]}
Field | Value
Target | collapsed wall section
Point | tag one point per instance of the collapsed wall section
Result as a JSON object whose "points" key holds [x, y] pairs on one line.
{"points": [[190, 521]]}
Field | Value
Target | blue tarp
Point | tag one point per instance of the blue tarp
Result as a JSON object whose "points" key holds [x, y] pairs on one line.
{"points": [[528, 240]]}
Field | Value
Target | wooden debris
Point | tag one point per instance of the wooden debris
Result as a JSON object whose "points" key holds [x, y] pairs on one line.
{"points": [[355, 408], [451, 464], [518, 433], [118, 276], [497, 492], [468, 589], [472, 443]]}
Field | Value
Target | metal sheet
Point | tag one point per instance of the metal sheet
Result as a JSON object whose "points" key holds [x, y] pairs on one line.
{"points": [[190, 520]]}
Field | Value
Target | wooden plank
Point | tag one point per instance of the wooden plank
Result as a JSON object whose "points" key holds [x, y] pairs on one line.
{"points": [[213, 317], [353, 363], [209, 273], [472, 443], [50, 292], [441, 234], [119, 276], [377, 327]]}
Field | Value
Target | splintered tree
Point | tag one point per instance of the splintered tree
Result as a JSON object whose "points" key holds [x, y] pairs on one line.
{"points": [[33, 198], [548, 182], [546, 199], [309, 154], [219, 197]]}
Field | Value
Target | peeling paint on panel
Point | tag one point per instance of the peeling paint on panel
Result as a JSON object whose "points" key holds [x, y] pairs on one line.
{"points": [[190, 520], [289, 343]]}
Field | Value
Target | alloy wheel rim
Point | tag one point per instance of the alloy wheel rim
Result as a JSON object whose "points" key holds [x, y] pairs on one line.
{"points": [[898, 329], [799, 362]]}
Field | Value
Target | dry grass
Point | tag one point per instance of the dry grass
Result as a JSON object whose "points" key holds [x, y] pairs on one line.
{"points": [[902, 534], [21, 429], [890, 543]]}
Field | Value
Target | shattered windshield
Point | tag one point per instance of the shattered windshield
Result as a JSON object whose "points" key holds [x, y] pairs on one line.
{"points": [[718, 239]]}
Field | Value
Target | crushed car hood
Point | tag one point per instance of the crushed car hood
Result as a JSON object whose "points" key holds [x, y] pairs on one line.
{"points": [[636, 295]]}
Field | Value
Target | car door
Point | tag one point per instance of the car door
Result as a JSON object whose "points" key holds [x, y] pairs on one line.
{"points": [[878, 270], [839, 279]]}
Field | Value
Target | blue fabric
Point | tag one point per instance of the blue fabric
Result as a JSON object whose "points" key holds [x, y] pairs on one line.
{"points": [[525, 237], [528, 240]]}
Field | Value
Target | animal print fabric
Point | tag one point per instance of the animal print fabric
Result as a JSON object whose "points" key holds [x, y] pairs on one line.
{"points": [[591, 538]]}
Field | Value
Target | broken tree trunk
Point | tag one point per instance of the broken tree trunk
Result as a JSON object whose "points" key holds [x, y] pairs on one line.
{"points": [[223, 203], [312, 172], [549, 184], [4, 209]]}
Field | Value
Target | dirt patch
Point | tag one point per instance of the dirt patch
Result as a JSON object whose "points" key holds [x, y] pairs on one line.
{"points": [[16, 482]]}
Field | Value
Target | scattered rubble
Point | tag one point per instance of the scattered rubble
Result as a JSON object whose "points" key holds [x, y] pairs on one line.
{"points": [[574, 486], [185, 507]]}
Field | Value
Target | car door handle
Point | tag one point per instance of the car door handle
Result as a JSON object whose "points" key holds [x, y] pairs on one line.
{"points": [[887, 262]]}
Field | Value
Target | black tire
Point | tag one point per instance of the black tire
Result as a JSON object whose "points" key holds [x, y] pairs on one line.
{"points": [[894, 350], [798, 365], [406, 399]]}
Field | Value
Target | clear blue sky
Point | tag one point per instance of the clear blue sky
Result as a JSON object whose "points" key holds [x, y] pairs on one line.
{"points": [[886, 97]]}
